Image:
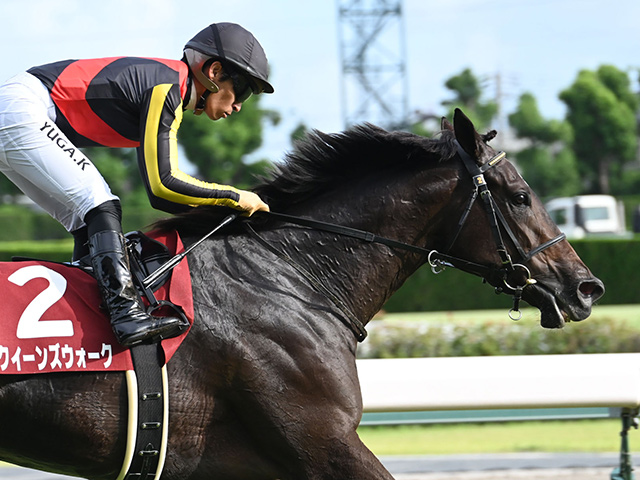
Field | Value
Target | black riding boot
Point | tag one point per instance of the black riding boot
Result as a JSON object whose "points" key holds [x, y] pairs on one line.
{"points": [[129, 320]]}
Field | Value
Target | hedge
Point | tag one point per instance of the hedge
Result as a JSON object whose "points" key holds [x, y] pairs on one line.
{"points": [[615, 261], [422, 339], [22, 223], [29, 233]]}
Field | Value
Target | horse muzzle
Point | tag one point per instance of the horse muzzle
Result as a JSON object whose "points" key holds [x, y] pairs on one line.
{"points": [[558, 306]]}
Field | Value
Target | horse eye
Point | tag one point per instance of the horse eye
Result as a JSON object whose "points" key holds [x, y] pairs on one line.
{"points": [[521, 198]]}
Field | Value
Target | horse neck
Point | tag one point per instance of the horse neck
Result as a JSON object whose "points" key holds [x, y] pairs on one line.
{"points": [[364, 275]]}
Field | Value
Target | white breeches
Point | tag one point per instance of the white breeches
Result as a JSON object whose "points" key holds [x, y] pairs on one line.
{"points": [[39, 159]]}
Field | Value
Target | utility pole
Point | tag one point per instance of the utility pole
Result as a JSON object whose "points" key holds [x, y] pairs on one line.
{"points": [[373, 53]]}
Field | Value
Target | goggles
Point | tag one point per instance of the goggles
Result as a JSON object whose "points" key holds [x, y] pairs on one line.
{"points": [[241, 87]]}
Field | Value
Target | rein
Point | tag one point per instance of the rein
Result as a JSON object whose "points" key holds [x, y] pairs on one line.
{"points": [[349, 318], [432, 255], [438, 261]]}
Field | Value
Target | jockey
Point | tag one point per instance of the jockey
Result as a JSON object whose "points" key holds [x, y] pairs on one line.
{"points": [[49, 111]]}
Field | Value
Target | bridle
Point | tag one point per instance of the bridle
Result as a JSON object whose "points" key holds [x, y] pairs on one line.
{"points": [[497, 222], [502, 278]]}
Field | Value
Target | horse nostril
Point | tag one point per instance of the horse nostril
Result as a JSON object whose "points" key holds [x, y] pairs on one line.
{"points": [[592, 289]]}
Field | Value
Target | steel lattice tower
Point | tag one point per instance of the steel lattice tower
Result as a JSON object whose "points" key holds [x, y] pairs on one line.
{"points": [[372, 51]]}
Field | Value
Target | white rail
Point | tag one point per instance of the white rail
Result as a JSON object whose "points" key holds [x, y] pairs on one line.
{"points": [[463, 383]]}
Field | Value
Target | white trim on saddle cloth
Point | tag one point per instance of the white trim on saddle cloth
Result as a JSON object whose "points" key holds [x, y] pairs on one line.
{"points": [[52, 321]]}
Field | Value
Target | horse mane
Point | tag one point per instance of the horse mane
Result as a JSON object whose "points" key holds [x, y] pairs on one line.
{"points": [[320, 161], [323, 160]]}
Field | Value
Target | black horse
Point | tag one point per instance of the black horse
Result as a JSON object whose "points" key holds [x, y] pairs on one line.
{"points": [[265, 385]]}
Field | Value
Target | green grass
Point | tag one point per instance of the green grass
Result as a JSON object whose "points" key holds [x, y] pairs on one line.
{"points": [[513, 437], [57, 250], [38, 244], [626, 313]]}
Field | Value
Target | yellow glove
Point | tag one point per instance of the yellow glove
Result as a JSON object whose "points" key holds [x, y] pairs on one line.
{"points": [[250, 203]]}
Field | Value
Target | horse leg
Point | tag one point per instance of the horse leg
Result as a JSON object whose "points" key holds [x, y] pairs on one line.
{"points": [[308, 429], [349, 459], [323, 452]]}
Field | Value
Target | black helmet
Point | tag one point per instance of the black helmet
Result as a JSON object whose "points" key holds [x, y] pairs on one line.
{"points": [[233, 43]]}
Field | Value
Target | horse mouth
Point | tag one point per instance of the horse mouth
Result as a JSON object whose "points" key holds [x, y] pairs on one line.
{"points": [[551, 314], [558, 306]]}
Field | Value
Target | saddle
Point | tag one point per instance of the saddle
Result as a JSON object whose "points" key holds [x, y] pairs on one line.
{"points": [[69, 332], [146, 256]]}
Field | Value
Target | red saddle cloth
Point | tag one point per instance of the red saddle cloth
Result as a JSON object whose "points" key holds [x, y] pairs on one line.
{"points": [[51, 319]]}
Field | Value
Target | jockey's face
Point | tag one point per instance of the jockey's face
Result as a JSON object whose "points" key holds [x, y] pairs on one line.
{"points": [[222, 103]]}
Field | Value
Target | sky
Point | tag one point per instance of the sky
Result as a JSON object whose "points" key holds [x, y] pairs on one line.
{"points": [[535, 46]]}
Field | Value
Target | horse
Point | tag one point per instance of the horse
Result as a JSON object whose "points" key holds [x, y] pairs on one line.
{"points": [[265, 385]]}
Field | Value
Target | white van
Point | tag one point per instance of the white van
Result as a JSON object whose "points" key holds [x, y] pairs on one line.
{"points": [[587, 215]]}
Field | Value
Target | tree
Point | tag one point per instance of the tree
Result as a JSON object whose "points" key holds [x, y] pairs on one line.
{"points": [[527, 121], [8, 190], [119, 167], [468, 94], [217, 149], [299, 132], [548, 164], [601, 110]]}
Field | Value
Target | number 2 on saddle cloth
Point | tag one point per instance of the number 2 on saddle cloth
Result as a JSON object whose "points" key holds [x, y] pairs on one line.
{"points": [[54, 323]]}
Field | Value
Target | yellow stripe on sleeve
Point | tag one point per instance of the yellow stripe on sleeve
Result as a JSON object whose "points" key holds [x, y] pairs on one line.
{"points": [[150, 145]]}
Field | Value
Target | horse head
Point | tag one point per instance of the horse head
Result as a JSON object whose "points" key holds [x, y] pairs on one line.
{"points": [[521, 241]]}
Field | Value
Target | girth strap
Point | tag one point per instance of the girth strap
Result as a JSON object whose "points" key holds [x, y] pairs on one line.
{"points": [[148, 428]]}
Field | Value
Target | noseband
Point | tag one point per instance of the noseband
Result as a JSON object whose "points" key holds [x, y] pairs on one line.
{"points": [[498, 223]]}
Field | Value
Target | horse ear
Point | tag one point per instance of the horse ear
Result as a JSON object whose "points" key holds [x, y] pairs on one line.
{"points": [[466, 133], [490, 135], [445, 124]]}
